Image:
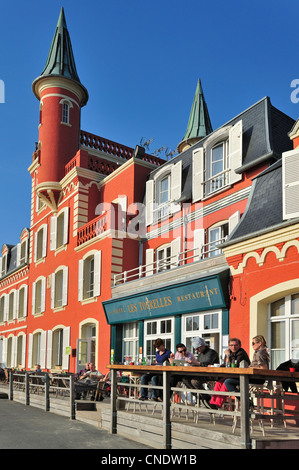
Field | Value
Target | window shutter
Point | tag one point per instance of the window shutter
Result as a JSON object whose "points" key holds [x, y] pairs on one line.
{"points": [[149, 261], [6, 305], [49, 349], [25, 301], [290, 184], [43, 295], [149, 202], [33, 297], [66, 342], [97, 274], [198, 242], [52, 291], [65, 285], [43, 344], [4, 352], [197, 174], [233, 221], [23, 359], [18, 253], [15, 305], [175, 252], [35, 246], [30, 350], [45, 236], [26, 250], [53, 232], [14, 351], [66, 226], [176, 181], [235, 151], [80, 280]]}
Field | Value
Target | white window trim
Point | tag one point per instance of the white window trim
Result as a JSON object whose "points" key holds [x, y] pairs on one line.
{"points": [[64, 299], [44, 229], [54, 228], [43, 295], [97, 276]]}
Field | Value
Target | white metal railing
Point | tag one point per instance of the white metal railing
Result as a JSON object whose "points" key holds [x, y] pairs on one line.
{"points": [[216, 182], [182, 258]]}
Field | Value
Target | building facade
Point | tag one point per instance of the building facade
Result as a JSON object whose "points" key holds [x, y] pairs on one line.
{"points": [[124, 247]]}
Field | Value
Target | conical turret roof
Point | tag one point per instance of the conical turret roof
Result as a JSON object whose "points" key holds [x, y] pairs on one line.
{"points": [[199, 124]]}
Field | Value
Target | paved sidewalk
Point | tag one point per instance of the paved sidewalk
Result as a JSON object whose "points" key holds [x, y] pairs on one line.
{"points": [[27, 427]]}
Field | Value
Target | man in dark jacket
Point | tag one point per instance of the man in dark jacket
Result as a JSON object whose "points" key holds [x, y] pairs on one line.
{"points": [[206, 356]]}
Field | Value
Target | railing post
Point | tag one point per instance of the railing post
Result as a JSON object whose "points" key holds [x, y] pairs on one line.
{"points": [[11, 385], [27, 392], [245, 426], [166, 411], [47, 392], [72, 398], [113, 425]]}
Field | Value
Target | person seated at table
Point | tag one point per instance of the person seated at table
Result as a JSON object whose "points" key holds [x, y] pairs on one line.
{"points": [[2, 373], [162, 355], [182, 354], [206, 357], [260, 360], [83, 371], [37, 368], [286, 366], [235, 354], [88, 381]]}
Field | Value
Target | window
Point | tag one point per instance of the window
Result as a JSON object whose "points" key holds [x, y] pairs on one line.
{"points": [[216, 236], [59, 229], [163, 258], [206, 325], [160, 328], [2, 308], [3, 265], [90, 276], [130, 341], [216, 162], [57, 341], [23, 252], [59, 287], [11, 305], [38, 296], [40, 249], [65, 113], [22, 302], [284, 329]]}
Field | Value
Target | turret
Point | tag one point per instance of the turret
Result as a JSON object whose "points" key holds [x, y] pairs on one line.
{"points": [[199, 124], [61, 97]]}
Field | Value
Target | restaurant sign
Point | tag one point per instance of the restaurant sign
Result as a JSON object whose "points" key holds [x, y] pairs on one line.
{"points": [[193, 296]]}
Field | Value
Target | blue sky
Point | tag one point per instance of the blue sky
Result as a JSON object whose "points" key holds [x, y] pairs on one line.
{"points": [[140, 61]]}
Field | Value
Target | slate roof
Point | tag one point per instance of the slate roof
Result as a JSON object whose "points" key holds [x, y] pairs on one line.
{"points": [[265, 137], [264, 208]]}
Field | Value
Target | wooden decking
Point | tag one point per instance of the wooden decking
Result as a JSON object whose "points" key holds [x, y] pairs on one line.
{"points": [[142, 422]]}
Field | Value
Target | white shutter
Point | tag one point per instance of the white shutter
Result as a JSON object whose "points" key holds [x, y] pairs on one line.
{"points": [[33, 298], [80, 280], [176, 181], [65, 285], [35, 246], [197, 174], [30, 351], [97, 274], [233, 221], [149, 202], [175, 251], [18, 253], [23, 359], [66, 226], [4, 353], [43, 345], [52, 291], [53, 232], [25, 301], [43, 295], [235, 151], [16, 311], [290, 184], [49, 349], [6, 306], [15, 305], [45, 238], [149, 261], [26, 250], [66, 342], [198, 242], [14, 351]]}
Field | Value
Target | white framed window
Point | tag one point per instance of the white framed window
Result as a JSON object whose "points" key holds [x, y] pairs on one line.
{"points": [[130, 341], [40, 247], [159, 328], [65, 113], [163, 192], [37, 349], [59, 287], [163, 255], [57, 341], [59, 229], [283, 322], [22, 298], [22, 252], [39, 296], [12, 305], [20, 352], [2, 308], [3, 265], [90, 276], [216, 235], [215, 164], [207, 325]]}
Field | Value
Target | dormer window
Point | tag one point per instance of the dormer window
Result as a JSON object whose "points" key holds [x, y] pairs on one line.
{"points": [[214, 165]]}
